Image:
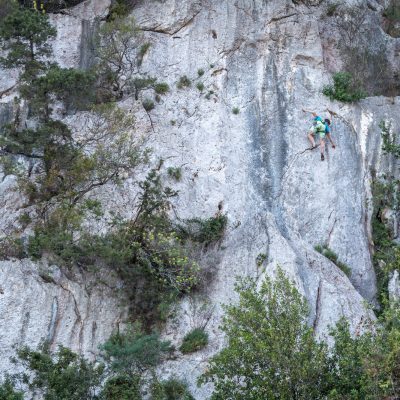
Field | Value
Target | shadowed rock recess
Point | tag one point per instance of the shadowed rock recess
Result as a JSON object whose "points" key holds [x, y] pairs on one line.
{"points": [[270, 59]]}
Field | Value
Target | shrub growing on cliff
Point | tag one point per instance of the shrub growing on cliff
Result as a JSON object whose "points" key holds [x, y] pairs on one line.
{"points": [[171, 389], [205, 231], [133, 351], [331, 255], [122, 387], [195, 340], [344, 89]]}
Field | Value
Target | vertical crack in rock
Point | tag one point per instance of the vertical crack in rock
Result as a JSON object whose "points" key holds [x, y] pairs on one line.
{"points": [[317, 306], [53, 320]]}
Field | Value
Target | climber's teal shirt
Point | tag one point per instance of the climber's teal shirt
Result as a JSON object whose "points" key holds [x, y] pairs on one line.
{"points": [[319, 128]]}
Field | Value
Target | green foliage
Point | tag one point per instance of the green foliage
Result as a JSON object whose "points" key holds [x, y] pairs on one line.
{"points": [[386, 257], [209, 94], [184, 82], [119, 9], [116, 65], [71, 86], [175, 173], [235, 110], [161, 88], [144, 48], [11, 247], [344, 88], [331, 255], [145, 251], [205, 231], [332, 8], [8, 392], [195, 340], [133, 351], [271, 352], [200, 72], [172, 389], [367, 366], [24, 35], [200, 86], [69, 166], [122, 387], [389, 139], [60, 376], [392, 14], [260, 259], [148, 104]]}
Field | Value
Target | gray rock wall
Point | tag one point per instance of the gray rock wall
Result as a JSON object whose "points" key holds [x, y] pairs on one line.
{"points": [[267, 58]]}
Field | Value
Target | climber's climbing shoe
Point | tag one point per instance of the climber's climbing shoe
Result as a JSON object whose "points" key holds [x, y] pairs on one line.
{"points": [[333, 146], [313, 147], [322, 157]]}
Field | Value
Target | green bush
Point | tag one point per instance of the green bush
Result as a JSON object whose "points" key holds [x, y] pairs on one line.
{"points": [[161, 88], [200, 72], [235, 110], [200, 86], [392, 13], [122, 387], [175, 173], [183, 82], [205, 231], [331, 255], [389, 145], [133, 351], [386, 258], [8, 392], [194, 341], [344, 89], [171, 389], [148, 104]]}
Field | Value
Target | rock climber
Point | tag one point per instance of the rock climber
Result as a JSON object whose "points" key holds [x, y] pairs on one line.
{"points": [[322, 129]]}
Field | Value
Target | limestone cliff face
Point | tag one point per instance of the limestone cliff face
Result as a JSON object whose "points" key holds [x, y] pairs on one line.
{"points": [[270, 59]]}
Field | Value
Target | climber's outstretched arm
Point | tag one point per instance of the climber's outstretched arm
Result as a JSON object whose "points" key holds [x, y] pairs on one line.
{"points": [[328, 135], [314, 114]]}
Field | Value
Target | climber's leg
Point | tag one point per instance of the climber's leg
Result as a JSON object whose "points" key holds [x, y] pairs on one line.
{"points": [[311, 138], [322, 148]]}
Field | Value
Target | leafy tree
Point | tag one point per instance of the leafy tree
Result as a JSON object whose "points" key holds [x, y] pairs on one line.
{"points": [[24, 35], [60, 376], [271, 352]]}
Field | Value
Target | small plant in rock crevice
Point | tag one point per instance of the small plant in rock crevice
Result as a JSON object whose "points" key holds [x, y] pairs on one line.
{"points": [[195, 340], [331, 255], [184, 82]]}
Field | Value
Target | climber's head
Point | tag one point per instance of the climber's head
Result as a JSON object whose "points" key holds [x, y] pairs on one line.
{"points": [[318, 119], [327, 121]]}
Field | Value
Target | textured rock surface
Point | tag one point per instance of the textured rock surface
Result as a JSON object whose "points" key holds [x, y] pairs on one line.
{"points": [[269, 60], [39, 302]]}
